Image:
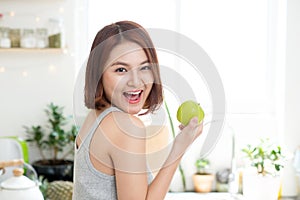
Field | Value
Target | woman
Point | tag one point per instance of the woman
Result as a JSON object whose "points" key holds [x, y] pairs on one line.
{"points": [[122, 82]]}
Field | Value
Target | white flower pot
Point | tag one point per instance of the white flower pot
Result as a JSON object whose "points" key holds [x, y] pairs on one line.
{"points": [[258, 187]]}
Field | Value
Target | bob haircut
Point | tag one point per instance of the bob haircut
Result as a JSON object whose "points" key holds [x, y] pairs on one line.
{"points": [[107, 39]]}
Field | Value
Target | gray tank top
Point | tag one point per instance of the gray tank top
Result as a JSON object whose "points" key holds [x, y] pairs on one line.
{"points": [[89, 183]]}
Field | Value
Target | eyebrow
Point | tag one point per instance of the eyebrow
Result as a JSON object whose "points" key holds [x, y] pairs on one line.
{"points": [[125, 64]]}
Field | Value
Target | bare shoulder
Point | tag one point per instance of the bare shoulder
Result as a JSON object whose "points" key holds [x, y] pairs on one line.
{"points": [[121, 118], [86, 126], [126, 137], [124, 131]]}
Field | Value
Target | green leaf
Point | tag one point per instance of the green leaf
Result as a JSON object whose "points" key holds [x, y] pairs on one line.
{"points": [[53, 135]]}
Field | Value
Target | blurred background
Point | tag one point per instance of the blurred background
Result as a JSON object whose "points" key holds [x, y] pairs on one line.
{"points": [[253, 44]]}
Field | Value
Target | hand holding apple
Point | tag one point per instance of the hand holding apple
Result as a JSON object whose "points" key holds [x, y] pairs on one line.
{"points": [[189, 109]]}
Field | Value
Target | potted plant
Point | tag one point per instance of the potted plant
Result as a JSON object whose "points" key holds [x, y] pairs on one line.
{"points": [[261, 180], [203, 178], [55, 142]]}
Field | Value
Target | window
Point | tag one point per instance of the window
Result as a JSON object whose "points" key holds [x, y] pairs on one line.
{"points": [[242, 38]]}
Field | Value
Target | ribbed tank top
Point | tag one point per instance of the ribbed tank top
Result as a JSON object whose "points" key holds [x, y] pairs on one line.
{"points": [[89, 183]]}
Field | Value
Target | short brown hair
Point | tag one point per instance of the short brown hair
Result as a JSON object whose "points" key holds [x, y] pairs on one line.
{"points": [[105, 40]]}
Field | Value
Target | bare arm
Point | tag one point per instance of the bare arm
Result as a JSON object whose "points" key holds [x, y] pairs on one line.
{"points": [[129, 158], [160, 185]]}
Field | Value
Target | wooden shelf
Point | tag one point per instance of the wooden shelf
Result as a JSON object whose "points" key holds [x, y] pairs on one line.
{"points": [[42, 50]]}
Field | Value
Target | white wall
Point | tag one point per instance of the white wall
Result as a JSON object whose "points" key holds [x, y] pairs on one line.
{"points": [[292, 91], [292, 95]]}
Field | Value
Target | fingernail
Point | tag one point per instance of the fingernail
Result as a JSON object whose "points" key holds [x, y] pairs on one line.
{"points": [[195, 120]]}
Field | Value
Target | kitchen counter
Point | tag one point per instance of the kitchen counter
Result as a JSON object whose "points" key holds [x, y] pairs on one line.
{"points": [[202, 196], [289, 198], [210, 196]]}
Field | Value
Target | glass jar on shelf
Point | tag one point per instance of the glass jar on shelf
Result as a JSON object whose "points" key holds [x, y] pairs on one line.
{"points": [[56, 33], [15, 37], [28, 39], [4, 39], [41, 38]]}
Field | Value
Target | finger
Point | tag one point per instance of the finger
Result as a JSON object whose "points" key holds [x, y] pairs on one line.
{"points": [[199, 129], [192, 126], [181, 126], [193, 122]]}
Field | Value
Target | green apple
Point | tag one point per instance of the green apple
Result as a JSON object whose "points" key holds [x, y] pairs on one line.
{"points": [[189, 109]]}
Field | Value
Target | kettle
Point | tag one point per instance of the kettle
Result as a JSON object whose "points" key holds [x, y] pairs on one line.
{"points": [[19, 186]]}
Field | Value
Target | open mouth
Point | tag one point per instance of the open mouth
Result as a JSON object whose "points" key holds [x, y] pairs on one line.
{"points": [[133, 96]]}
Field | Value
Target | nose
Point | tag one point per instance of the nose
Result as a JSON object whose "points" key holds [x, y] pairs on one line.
{"points": [[134, 80]]}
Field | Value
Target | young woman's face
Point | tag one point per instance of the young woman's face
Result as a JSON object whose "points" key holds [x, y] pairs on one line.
{"points": [[128, 77]]}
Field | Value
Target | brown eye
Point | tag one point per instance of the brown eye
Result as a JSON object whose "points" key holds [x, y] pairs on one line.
{"points": [[147, 67], [121, 69]]}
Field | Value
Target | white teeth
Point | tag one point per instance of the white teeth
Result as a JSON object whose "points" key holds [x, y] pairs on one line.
{"points": [[134, 93]]}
